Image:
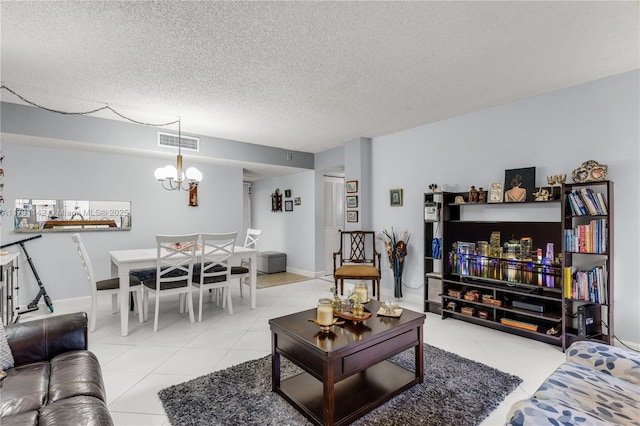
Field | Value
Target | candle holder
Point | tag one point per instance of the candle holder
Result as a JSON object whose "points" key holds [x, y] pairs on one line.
{"points": [[324, 315], [361, 291]]}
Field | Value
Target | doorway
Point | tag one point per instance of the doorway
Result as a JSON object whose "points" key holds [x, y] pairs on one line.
{"points": [[333, 218], [246, 209]]}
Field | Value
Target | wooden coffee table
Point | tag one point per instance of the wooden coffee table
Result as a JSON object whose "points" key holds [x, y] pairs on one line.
{"points": [[346, 372]]}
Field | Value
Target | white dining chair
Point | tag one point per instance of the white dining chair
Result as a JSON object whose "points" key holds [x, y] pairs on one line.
{"points": [[214, 270], [107, 286], [252, 240], [174, 272]]}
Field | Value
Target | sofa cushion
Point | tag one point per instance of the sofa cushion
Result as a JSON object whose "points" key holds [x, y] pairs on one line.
{"points": [[541, 412], [28, 418], [75, 373], [24, 389], [78, 410], [606, 397], [608, 359]]}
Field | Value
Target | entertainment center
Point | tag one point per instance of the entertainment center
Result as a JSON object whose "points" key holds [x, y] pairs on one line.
{"points": [[538, 269]]}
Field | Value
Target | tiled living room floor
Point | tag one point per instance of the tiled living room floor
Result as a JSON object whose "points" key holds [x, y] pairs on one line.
{"points": [[136, 367]]}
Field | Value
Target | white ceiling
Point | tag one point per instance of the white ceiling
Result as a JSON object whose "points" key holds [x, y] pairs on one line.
{"points": [[307, 76]]}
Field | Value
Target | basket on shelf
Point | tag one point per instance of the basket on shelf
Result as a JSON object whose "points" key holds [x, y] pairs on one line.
{"points": [[467, 310], [472, 295]]}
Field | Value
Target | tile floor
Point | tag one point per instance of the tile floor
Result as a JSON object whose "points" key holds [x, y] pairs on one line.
{"points": [[136, 367]]}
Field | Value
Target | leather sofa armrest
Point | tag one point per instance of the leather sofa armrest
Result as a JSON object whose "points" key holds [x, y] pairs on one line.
{"points": [[43, 339]]}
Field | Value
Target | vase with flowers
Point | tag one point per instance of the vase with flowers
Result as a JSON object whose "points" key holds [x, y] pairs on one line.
{"points": [[396, 252]]}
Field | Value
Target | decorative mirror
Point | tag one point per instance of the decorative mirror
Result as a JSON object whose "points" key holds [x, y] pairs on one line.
{"points": [[50, 215]]}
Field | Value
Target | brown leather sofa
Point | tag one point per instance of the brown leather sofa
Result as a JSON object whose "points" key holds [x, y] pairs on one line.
{"points": [[55, 380]]}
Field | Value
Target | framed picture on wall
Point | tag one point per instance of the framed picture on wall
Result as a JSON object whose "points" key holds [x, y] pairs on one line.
{"points": [[352, 186], [288, 206], [352, 215], [352, 201], [395, 197]]}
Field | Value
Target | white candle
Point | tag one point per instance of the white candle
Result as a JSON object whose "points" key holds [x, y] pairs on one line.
{"points": [[325, 315]]}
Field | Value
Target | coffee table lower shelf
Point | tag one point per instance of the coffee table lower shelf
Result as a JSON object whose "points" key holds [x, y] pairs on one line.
{"points": [[354, 396]]}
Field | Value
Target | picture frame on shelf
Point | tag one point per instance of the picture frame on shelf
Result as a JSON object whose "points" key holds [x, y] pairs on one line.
{"points": [[352, 215], [495, 192], [521, 184], [395, 197], [288, 206], [352, 186], [352, 201]]}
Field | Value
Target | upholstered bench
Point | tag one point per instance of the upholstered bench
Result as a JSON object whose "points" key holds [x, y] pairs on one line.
{"points": [[270, 262]]}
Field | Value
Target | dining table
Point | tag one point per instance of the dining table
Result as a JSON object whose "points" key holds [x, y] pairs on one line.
{"points": [[125, 261]]}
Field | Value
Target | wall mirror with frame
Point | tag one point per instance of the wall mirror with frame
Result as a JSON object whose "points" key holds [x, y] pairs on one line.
{"points": [[52, 215]]}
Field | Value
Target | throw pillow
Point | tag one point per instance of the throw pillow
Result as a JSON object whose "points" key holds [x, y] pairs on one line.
{"points": [[6, 356]]}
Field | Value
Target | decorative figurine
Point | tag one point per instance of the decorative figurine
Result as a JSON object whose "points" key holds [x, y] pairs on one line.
{"points": [[542, 194], [481, 198], [473, 194], [433, 187]]}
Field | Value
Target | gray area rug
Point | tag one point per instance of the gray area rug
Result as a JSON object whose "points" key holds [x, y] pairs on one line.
{"points": [[456, 391]]}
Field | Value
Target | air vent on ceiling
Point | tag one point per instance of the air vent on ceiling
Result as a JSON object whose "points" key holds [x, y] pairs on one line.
{"points": [[171, 140]]}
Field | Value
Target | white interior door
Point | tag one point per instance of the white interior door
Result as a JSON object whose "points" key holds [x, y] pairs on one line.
{"points": [[333, 218]]}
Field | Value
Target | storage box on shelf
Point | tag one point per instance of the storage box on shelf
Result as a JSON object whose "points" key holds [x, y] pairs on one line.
{"points": [[587, 253], [511, 287]]}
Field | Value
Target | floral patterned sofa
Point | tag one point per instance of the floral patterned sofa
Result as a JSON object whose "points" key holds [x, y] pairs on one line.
{"points": [[597, 385]]}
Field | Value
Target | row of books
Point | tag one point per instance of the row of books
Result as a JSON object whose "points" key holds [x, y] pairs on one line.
{"points": [[586, 202], [587, 238], [589, 285]]}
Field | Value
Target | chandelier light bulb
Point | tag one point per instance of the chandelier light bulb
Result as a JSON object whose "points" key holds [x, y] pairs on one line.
{"points": [[194, 174], [170, 172], [159, 173]]}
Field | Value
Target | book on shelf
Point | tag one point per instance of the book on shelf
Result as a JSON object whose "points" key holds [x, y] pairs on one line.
{"points": [[568, 281], [579, 207], [590, 285], [602, 203], [587, 238], [589, 202], [585, 201]]}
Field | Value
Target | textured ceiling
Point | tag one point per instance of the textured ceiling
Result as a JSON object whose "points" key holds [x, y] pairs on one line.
{"points": [[308, 75]]}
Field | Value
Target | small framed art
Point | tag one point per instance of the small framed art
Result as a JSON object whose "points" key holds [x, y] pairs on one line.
{"points": [[352, 201], [288, 206], [287, 193], [352, 186], [495, 192], [521, 184], [297, 201], [395, 197], [352, 215]]}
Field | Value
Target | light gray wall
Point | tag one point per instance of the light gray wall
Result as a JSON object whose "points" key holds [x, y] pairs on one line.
{"points": [[290, 232], [25, 120], [40, 172], [554, 132]]}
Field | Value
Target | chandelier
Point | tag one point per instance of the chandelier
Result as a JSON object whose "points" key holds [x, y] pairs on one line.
{"points": [[172, 177]]}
